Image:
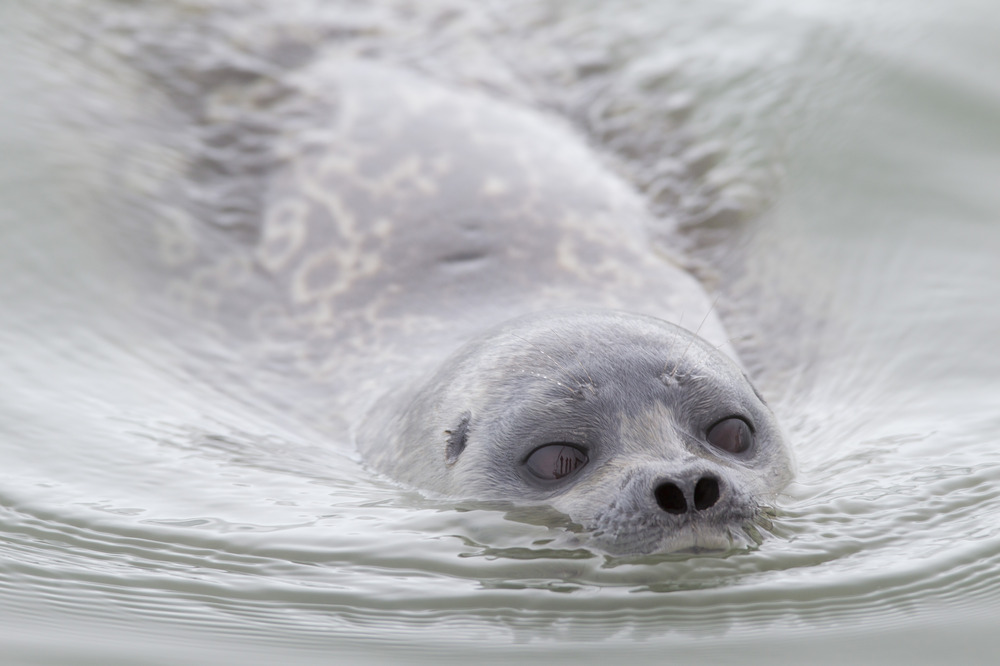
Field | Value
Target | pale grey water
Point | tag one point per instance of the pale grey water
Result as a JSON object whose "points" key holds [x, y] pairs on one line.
{"points": [[152, 511]]}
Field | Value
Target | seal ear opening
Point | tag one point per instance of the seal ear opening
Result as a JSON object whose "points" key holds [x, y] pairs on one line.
{"points": [[457, 439]]}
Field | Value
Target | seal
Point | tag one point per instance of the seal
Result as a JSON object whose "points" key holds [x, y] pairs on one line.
{"points": [[635, 428], [475, 289]]}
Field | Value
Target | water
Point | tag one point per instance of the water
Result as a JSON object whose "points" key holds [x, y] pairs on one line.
{"points": [[828, 168]]}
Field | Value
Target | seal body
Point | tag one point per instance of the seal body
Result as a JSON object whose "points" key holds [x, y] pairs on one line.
{"points": [[476, 289]]}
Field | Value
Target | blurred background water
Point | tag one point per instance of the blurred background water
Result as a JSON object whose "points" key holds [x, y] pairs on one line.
{"points": [[830, 169]]}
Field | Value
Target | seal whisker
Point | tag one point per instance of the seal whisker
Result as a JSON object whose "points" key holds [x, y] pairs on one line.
{"points": [[719, 346], [573, 392], [559, 366], [696, 332]]}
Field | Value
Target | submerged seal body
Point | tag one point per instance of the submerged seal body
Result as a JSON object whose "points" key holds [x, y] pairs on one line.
{"points": [[476, 290]]}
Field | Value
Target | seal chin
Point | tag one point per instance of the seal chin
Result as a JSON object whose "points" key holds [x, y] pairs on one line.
{"points": [[694, 539]]}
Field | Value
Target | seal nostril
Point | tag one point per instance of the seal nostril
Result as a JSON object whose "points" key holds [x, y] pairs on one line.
{"points": [[706, 493], [670, 498]]}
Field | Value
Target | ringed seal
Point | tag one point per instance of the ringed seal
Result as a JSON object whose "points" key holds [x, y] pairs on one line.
{"points": [[475, 291]]}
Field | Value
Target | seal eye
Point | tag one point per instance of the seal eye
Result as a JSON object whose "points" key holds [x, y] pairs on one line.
{"points": [[555, 461], [732, 435]]}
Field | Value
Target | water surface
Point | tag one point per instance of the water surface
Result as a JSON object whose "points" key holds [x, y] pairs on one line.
{"points": [[829, 171]]}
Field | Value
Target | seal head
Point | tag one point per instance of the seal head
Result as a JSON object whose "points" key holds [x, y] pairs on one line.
{"points": [[635, 428]]}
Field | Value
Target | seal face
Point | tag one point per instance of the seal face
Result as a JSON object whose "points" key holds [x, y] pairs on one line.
{"points": [[636, 429]]}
